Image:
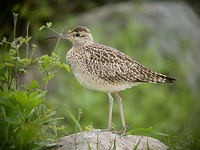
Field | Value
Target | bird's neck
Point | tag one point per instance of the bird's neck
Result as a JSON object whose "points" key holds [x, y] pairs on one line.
{"points": [[83, 44]]}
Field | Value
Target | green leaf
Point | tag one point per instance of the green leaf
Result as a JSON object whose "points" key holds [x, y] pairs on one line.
{"points": [[2, 65], [21, 99], [8, 57], [52, 127], [51, 144], [27, 87], [49, 24], [23, 70], [2, 78], [42, 27], [40, 61], [66, 67], [12, 51], [154, 132], [61, 128], [6, 74], [34, 45], [35, 98], [27, 135], [23, 40], [53, 54], [4, 39], [11, 120], [34, 84], [49, 77], [46, 117], [9, 64], [7, 101], [26, 61], [41, 144], [28, 38]]}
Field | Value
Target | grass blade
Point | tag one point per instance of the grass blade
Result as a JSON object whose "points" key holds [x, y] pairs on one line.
{"points": [[147, 145], [114, 146], [135, 148], [77, 123]]}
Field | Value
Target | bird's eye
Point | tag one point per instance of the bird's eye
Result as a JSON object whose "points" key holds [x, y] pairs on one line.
{"points": [[78, 35]]}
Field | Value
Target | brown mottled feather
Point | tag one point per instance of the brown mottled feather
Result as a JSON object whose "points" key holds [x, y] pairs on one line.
{"points": [[80, 29], [114, 66]]}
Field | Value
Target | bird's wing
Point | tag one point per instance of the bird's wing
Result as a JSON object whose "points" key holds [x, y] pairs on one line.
{"points": [[114, 66]]}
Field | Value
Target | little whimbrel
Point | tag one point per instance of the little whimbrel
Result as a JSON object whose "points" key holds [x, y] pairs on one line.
{"points": [[103, 68]]}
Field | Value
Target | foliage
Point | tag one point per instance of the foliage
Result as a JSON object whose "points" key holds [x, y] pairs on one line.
{"points": [[187, 142], [146, 105], [26, 119]]}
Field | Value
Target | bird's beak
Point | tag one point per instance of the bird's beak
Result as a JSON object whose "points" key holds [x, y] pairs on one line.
{"points": [[58, 36]]}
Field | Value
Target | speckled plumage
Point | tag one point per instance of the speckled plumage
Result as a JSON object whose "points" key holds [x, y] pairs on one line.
{"points": [[108, 69], [103, 68]]}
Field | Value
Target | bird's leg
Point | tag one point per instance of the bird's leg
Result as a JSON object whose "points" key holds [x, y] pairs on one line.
{"points": [[110, 113], [119, 100], [110, 110]]}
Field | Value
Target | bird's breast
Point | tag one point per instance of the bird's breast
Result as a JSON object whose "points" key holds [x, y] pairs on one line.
{"points": [[78, 63]]}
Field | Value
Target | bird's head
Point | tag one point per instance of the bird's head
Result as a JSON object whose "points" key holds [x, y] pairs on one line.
{"points": [[79, 36]]}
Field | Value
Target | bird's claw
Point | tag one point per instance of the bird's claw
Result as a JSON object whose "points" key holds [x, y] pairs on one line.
{"points": [[122, 131], [109, 129], [112, 128]]}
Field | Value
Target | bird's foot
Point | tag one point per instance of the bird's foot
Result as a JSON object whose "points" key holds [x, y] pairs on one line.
{"points": [[109, 129], [122, 131]]}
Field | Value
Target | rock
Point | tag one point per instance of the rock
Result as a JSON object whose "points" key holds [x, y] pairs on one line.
{"points": [[105, 141]]}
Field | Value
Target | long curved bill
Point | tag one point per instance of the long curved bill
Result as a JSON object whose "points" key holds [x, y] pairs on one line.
{"points": [[58, 36]]}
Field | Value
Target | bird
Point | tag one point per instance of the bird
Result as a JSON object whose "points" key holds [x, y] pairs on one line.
{"points": [[104, 68]]}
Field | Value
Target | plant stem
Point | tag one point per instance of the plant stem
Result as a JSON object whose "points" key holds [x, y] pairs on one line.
{"points": [[15, 65], [27, 44], [21, 80], [46, 86], [15, 24]]}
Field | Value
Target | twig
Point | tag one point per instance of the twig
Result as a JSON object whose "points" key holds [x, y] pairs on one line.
{"points": [[53, 30], [15, 64], [27, 45], [59, 39], [15, 24], [46, 84], [21, 80]]}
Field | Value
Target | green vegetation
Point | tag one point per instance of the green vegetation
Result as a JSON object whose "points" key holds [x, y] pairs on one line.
{"points": [[27, 107], [26, 118]]}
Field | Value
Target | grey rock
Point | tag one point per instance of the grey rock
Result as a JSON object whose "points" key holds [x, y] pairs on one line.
{"points": [[105, 141]]}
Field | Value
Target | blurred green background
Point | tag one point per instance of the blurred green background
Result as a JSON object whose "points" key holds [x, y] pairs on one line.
{"points": [[161, 35]]}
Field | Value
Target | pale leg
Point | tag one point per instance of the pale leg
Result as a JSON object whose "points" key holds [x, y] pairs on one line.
{"points": [[110, 113], [119, 100], [110, 110]]}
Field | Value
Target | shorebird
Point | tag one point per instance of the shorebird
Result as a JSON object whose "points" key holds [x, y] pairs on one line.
{"points": [[103, 68]]}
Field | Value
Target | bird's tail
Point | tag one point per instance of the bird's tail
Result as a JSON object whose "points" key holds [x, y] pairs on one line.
{"points": [[167, 79]]}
